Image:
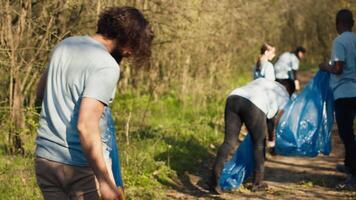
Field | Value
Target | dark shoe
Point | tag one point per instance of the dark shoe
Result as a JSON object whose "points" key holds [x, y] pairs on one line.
{"points": [[349, 184], [258, 187], [257, 184], [342, 168], [272, 151], [213, 186], [216, 190]]}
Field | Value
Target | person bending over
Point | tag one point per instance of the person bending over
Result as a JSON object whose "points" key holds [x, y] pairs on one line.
{"points": [[250, 105]]}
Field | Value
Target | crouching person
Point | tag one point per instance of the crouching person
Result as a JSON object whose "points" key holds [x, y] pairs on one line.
{"points": [[250, 104]]}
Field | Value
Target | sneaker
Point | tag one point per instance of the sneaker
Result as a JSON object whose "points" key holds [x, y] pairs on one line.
{"points": [[342, 168], [349, 184]]}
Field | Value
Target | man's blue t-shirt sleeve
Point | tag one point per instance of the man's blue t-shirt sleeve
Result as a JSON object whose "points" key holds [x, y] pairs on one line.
{"points": [[101, 84], [338, 51]]}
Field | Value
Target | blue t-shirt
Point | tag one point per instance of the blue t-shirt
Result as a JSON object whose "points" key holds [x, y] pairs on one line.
{"points": [[344, 49], [79, 67]]}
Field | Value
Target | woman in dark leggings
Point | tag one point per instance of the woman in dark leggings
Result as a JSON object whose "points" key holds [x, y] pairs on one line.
{"points": [[250, 104]]}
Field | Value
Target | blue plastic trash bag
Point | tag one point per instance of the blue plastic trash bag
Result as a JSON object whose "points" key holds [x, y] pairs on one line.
{"points": [[240, 166], [305, 127], [109, 139]]}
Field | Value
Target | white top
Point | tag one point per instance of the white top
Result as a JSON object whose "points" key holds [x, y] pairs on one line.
{"points": [[286, 63], [344, 49], [266, 71], [267, 95]]}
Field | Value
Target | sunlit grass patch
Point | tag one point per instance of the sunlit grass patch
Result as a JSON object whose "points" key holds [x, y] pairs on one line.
{"points": [[17, 178]]}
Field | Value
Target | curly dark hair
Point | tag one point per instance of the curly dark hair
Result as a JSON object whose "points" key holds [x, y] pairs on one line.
{"points": [[130, 28]]}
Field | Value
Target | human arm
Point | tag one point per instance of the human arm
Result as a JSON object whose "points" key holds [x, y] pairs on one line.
{"points": [[278, 116], [294, 64], [98, 91], [41, 88], [271, 132], [296, 80], [271, 124], [338, 57], [336, 68], [88, 127]]}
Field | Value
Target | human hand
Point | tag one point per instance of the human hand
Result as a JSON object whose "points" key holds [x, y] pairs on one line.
{"points": [[324, 66], [297, 84], [122, 193], [109, 191]]}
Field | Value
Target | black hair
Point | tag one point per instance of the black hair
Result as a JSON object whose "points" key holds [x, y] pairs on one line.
{"points": [[299, 49], [345, 16], [129, 27]]}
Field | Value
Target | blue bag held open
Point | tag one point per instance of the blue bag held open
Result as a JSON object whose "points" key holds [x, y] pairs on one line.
{"points": [[305, 127], [110, 140]]}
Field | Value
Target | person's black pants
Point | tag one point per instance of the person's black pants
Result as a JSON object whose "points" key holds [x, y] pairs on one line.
{"points": [[239, 110], [345, 110], [281, 81]]}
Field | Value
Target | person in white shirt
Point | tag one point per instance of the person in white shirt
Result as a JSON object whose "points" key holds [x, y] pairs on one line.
{"points": [[250, 104], [343, 83], [263, 67], [287, 65]]}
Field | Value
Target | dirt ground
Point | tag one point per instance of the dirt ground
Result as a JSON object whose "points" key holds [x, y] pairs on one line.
{"points": [[287, 177]]}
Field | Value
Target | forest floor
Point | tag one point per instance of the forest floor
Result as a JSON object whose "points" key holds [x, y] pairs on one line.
{"points": [[287, 177]]}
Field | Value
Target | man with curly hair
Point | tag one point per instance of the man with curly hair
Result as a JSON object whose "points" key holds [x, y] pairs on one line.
{"points": [[79, 83]]}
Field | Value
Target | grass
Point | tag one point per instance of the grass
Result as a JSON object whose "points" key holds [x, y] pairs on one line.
{"points": [[159, 152], [168, 138], [17, 178], [177, 140]]}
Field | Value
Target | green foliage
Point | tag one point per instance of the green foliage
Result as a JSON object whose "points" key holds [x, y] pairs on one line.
{"points": [[176, 141], [17, 178], [172, 111]]}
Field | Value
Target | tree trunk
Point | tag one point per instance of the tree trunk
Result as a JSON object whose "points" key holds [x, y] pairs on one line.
{"points": [[17, 117]]}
